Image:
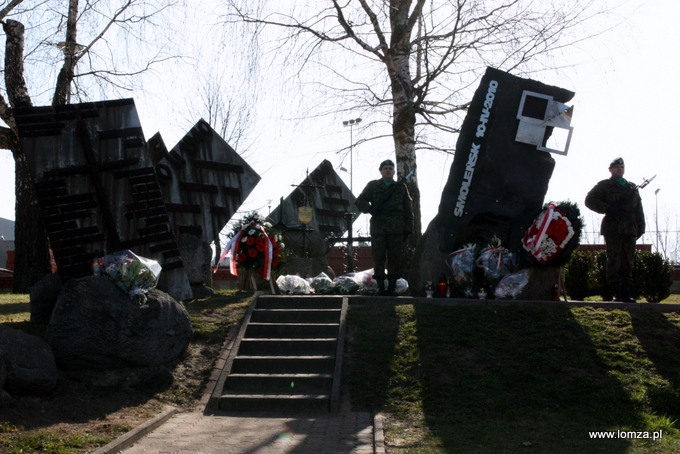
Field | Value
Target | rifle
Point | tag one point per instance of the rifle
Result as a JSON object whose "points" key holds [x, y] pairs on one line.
{"points": [[644, 183], [620, 205], [386, 195]]}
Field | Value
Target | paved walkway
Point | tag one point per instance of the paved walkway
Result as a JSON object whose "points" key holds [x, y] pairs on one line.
{"points": [[332, 433], [172, 432]]}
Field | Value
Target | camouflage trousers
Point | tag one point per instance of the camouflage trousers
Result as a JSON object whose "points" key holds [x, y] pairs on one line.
{"points": [[620, 258], [390, 247]]}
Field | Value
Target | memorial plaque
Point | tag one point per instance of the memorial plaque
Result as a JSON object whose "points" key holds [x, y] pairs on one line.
{"points": [[203, 180], [98, 189]]}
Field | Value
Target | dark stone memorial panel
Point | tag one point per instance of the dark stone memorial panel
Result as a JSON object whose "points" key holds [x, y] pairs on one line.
{"points": [[97, 187], [330, 199], [498, 183], [204, 181], [500, 172]]}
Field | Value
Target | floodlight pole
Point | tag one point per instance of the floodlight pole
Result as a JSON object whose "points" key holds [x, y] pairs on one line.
{"points": [[350, 216], [351, 124], [656, 217]]}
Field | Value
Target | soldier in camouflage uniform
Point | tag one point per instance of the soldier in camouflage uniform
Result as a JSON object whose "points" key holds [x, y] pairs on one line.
{"points": [[391, 223], [622, 225]]}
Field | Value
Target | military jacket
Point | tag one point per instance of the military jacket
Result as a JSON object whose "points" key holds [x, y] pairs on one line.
{"points": [[395, 216], [621, 206]]}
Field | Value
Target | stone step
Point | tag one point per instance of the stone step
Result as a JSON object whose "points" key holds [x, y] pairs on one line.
{"points": [[248, 402], [304, 302], [280, 383], [287, 347], [310, 364], [292, 330], [296, 316]]}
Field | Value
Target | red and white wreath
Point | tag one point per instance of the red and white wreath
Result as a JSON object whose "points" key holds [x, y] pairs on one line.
{"points": [[549, 234]]}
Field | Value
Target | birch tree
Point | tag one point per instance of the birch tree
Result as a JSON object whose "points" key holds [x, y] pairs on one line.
{"points": [[67, 51], [411, 62]]}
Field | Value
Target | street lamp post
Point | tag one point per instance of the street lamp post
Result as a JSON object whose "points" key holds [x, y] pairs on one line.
{"points": [[656, 218], [350, 216], [351, 124]]}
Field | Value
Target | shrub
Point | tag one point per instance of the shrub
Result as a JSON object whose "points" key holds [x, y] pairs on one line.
{"points": [[602, 288], [579, 276], [656, 274]]}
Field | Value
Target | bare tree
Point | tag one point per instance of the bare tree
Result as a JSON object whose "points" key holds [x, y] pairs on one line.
{"points": [[412, 61], [75, 50], [227, 85]]}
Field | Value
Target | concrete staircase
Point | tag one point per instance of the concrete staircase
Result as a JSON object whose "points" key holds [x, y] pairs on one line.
{"points": [[287, 356]]}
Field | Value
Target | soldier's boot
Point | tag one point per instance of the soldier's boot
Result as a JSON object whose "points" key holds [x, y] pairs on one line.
{"points": [[617, 292], [391, 288], [625, 293], [381, 287]]}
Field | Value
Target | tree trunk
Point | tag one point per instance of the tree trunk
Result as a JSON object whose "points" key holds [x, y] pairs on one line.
{"points": [[32, 256], [404, 112]]}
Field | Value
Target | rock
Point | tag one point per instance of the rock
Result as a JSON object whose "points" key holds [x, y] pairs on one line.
{"points": [[44, 296], [428, 261], [29, 363], [5, 398], [197, 257], [299, 266], [202, 291], [541, 281], [95, 325], [3, 373]]}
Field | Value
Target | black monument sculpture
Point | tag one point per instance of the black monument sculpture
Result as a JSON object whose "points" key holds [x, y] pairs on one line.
{"points": [[501, 169]]}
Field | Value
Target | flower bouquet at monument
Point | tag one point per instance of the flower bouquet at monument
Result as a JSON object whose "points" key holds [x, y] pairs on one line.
{"points": [[254, 246], [554, 234], [462, 264], [133, 274], [496, 262]]}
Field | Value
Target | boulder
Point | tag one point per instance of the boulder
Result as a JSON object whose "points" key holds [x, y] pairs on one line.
{"points": [[44, 296], [29, 364], [3, 373], [428, 262], [95, 325], [197, 257]]}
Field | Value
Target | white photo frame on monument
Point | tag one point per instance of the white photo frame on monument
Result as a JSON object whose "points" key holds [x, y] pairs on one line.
{"points": [[536, 113]]}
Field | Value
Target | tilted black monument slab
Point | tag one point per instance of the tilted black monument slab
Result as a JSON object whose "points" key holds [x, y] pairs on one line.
{"points": [[501, 169], [98, 189], [330, 199]]}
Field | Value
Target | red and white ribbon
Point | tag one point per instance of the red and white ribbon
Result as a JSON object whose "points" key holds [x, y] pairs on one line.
{"points": [[543, 228], [232, 248]]}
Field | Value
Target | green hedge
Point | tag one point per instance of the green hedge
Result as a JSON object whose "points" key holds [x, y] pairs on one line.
{"points": [[585, 275]]}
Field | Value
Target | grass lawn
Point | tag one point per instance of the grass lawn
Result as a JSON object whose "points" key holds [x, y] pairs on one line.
{"points": [[516, 379], [78, 418], [481, 379]]}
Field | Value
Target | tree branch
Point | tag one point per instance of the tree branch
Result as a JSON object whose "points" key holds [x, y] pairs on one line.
{"points": [[65, 77], [14, 65], [10, 6]]}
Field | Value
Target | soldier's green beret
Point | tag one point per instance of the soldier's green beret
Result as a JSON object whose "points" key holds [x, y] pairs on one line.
{"points": [[616, 162], [386, 162]]}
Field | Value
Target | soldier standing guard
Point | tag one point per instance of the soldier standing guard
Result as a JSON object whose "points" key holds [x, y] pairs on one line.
{"points": [[389, 204], [622, 225]]}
